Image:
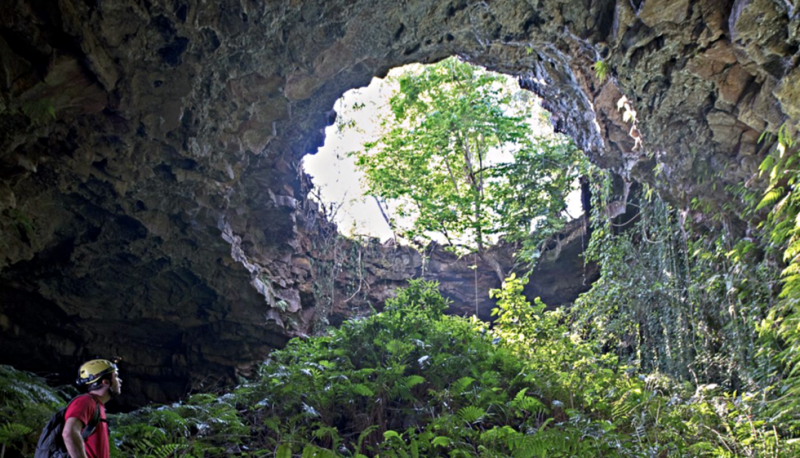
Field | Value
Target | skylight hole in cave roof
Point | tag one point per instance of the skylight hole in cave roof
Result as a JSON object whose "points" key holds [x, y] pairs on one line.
{"points": [[337, 182]]}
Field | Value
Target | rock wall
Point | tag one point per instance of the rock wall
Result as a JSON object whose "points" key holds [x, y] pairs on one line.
{"points": [[340, 278], [151, 199]]}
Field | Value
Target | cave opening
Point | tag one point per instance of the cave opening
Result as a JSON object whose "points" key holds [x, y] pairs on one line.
{"points": [[360, 120]]}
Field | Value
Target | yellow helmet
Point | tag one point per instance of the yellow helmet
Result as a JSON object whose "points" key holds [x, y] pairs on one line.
{"points": [[92, 371]]}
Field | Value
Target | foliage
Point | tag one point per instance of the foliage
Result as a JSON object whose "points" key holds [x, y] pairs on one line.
{"points": [[26, 403], [436, 159], [534, 188], [412, 382], [702, 307], [677, 302], [782, 325], [204, 425], [659, 359], [638, 414], [601, 70]]}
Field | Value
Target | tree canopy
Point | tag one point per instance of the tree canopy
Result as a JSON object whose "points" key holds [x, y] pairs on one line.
{"points": [[458, 156]]}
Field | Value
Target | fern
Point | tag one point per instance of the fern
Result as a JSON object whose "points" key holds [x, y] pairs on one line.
{"points": [[770, 197], [471, 414], [13, 432], [363, 435], [462, 384], [362, 390], [601, 70], [413, 380], [474, 396], [784, 226], [18, 387], [168, 450]]}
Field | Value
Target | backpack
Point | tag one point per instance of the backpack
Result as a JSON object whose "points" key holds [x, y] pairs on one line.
{"points": [[51, 444]]}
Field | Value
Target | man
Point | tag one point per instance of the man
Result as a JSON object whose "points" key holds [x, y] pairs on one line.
{"points": [[101, 380]]}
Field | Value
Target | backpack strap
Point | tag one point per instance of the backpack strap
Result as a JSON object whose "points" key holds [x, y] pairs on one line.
{"points": [[92, 426], [89, 429]]}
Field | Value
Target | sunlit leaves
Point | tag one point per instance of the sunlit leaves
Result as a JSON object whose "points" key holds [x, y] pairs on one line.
{"points": [[436, 160], [770, 197], [539, 391], [782, 326]]}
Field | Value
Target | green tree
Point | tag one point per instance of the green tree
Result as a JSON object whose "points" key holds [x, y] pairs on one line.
{"points": [[436, 159]]}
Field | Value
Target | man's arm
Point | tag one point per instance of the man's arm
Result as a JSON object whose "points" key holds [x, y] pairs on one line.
{"points": [[72, 438]]}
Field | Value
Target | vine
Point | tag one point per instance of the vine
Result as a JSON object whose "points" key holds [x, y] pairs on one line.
{"points": [[675, 300]]}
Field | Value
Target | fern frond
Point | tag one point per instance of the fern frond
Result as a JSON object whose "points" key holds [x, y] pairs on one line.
{"points": [[471, 414], [770, 197], [12, 432], [364, 434], [413, 380], [362, 390], [462, 384], [168, 450]]}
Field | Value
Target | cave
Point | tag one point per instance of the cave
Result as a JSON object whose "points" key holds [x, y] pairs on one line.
{"points": [[152, 204]]}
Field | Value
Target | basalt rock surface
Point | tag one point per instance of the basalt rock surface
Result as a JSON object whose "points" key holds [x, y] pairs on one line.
{"points": [[350, 278], [151, 199]]}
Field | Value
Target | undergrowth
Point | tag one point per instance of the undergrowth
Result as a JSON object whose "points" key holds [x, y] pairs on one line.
{"points": [[26, 403], [412, 382]]}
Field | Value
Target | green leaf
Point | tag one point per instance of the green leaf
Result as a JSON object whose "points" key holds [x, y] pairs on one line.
{"points": [[441, 441], [413, 380], [283, 451], [767, 164], [464, 382], [387, 435], [414, 446], [434, 161], [362, 390], [770, 197]]}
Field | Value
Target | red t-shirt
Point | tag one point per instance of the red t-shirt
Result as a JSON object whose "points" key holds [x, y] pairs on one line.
{"points": [[82, 408]]}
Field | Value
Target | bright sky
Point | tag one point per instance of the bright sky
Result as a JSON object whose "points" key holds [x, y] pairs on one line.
{"points": [[335, 175]]}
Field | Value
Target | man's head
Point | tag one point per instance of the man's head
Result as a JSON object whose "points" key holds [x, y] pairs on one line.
{"points": [[100, 376]]}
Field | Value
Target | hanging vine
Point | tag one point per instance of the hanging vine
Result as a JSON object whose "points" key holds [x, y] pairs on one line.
{"points": [[674, 300]]}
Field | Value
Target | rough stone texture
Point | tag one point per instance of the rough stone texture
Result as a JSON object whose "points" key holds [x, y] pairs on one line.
{"points": [[151, 201]]}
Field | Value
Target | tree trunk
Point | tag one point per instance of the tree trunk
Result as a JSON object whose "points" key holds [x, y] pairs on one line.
{"points": [[386, 217]]}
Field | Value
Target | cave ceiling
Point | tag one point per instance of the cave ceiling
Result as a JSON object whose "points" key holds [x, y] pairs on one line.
{"points": [[152, 204]]}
